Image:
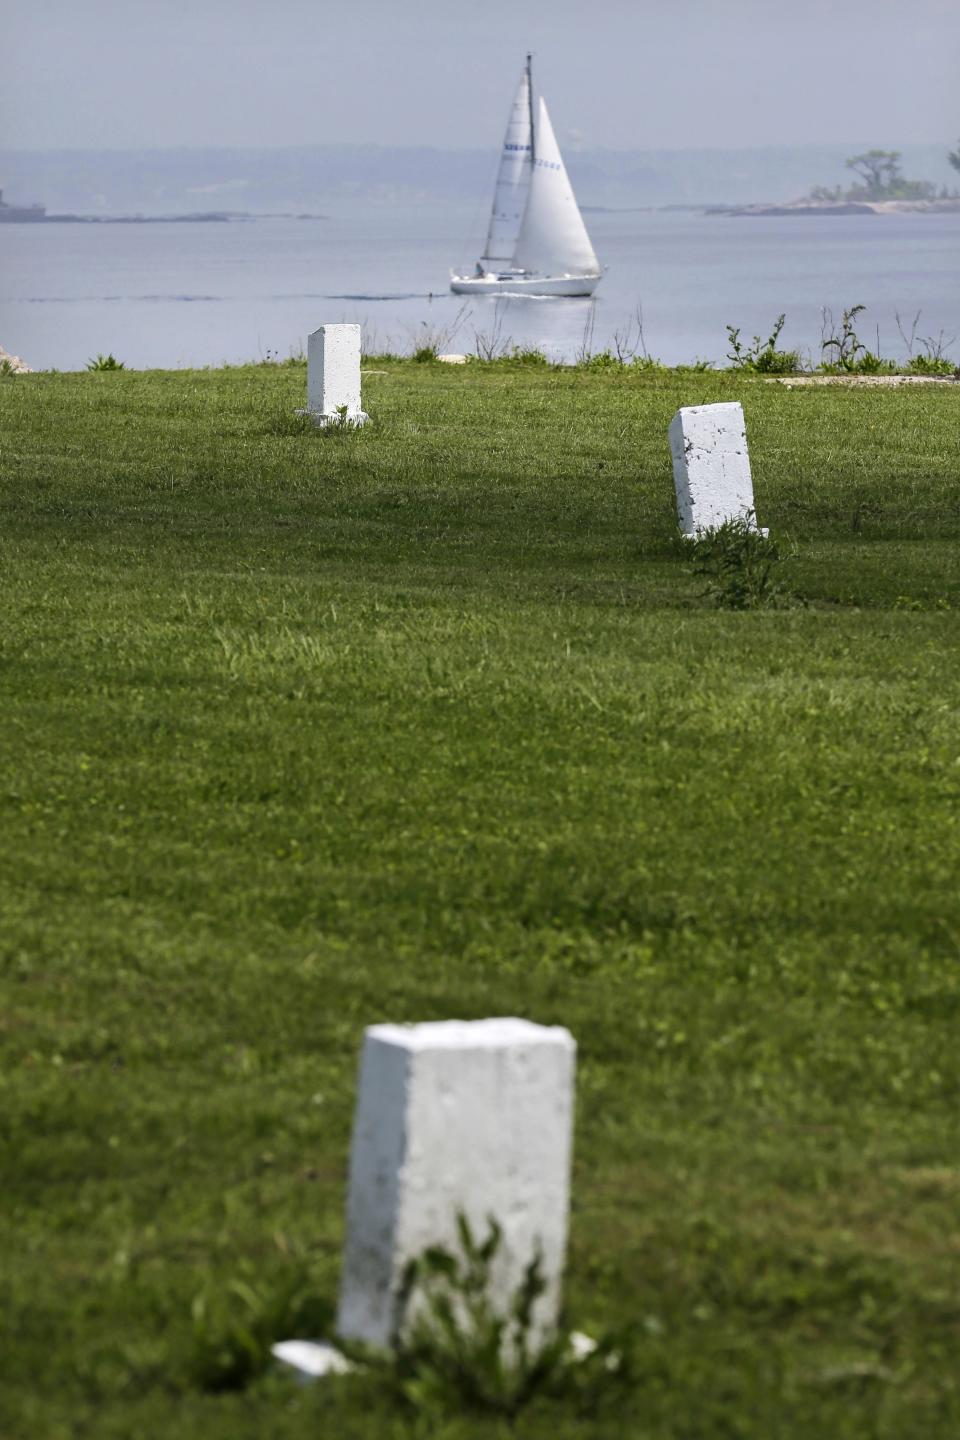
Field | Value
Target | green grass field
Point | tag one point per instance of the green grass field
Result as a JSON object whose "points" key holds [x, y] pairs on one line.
{"points": [[303, 731]]}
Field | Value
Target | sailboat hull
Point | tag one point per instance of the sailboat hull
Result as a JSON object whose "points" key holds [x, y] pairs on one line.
{"points": [[560, 285]]}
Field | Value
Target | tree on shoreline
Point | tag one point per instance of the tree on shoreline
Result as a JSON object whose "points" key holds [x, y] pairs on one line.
{"points": [[878, 169], [882, 178], [954, 157]]}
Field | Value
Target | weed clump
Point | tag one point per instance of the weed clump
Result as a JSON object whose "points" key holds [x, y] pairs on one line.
{"points": [[932, 365], [844, 353], [454, 1350], [528, 355], [105, 362], [234, 1329], [457, 1351], [762, 357], [739, 564]]}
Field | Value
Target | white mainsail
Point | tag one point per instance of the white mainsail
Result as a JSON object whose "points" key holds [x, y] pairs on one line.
{"points": [[513, 182], [553, 239]]}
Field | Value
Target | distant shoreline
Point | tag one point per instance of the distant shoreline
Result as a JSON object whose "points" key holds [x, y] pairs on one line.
{"points": [[35, 215], [200, 218], [842, 207]]}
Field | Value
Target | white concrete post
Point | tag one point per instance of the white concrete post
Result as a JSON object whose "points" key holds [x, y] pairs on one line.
{"points": [[471, 1117], [711, 466], [333, 375]]}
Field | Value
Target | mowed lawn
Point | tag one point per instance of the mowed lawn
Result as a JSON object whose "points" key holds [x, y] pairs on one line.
{"points": [[303, 732]]}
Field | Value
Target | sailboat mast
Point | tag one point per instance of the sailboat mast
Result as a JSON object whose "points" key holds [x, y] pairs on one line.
{"points": [[533, 140]]}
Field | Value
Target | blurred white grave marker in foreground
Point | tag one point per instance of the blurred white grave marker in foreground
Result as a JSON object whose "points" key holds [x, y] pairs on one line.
{"points": [[469, 1118], [333, 376], [711, 467]]}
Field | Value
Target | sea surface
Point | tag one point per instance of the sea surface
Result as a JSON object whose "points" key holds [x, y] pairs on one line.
{"points": [[194, 294]]}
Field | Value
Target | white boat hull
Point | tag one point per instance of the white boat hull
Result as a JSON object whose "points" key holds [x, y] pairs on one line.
{"points": [[569, 285]]}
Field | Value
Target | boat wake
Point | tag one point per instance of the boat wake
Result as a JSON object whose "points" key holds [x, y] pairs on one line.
{"points": [[400, 295], [208, 299], [526, 297]]}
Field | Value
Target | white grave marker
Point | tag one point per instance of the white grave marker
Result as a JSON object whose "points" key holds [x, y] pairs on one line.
{"points": [[333, 376], [711, 466], [457, 1117]]}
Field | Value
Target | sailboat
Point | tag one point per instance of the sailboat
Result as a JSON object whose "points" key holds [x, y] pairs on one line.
{"points": [[537, 243]]}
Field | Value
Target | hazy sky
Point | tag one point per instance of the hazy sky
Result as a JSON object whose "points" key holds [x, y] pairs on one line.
{"points": [[646, 74]]}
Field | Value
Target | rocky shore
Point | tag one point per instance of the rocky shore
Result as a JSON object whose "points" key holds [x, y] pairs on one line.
{"points": [[843, 207], [13, 363]]}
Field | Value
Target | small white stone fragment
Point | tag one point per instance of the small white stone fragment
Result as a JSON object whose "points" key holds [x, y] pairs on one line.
{"points": [[711, 466], [311, 1359], [581, 1346], [457, 1117], [333, 376]]}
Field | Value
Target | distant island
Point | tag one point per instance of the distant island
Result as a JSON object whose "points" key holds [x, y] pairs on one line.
{"points": [[842, 207], [37, 214], [21, 213], [883, 189]]}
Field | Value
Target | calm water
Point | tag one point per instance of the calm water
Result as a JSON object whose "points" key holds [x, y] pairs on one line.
{"points": [[199, 294]]}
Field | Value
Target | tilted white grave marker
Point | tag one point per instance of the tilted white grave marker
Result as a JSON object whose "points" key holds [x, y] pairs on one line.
{"points": [[457, 1117], [333, 376], [711, 466]]}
